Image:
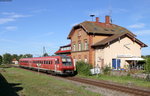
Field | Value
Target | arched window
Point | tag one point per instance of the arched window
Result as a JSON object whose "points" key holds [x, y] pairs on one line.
{"points": [[79, 46], [85, 45], [74, 47]]}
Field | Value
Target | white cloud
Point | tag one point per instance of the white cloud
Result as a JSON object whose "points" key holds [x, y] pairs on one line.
{"points": [[138, 25], [11, 28], [8, 13], [5, 20], [40, 10], [11, 16], [143, 32]]}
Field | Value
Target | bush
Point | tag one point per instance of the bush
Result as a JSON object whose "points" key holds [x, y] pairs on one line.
{"points": [[148, 77], [106, 70], [147, 65], [83, 68]]}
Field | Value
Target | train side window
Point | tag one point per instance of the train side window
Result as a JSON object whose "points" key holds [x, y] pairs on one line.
{"points": [[56, 61]]}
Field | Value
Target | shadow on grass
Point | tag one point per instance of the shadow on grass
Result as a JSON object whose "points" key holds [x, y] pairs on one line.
{"points": [[8, 89]]}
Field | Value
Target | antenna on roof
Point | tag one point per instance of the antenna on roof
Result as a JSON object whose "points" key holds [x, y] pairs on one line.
{"points": [[92, 15], [110, 10]]}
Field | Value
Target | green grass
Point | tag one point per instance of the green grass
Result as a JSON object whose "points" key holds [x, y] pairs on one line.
{"points": [[28, 83], [121, 79]]}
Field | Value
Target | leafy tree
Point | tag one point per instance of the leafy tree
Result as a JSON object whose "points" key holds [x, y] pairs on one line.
{"points": [[15, 56], [20, 56], [45, 54], [1, 59], [7, 58], [27, 56]]}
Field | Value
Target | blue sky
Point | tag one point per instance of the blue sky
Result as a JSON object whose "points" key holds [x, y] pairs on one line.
{"points": [[28, 25]]}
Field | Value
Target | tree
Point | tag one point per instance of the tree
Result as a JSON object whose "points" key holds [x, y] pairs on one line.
{"points": [[1, 59], [15, 56], [20, 56], [45, 54], [27, 56], [7, 58]]}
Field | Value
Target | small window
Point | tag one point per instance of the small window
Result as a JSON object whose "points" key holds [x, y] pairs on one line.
{"points": [[85, 45], [56, 61], [85, 59], [74, 47], [79, 46]]}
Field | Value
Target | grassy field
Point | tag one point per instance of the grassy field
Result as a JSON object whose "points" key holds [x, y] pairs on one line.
{"points": [[121, 79], [19, 82]]}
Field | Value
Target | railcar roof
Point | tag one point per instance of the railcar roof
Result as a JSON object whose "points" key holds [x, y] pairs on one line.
{"points": [[43, 58]]}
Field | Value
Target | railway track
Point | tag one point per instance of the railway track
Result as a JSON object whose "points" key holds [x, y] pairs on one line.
{"points": [[103, 84], [134, 91]]}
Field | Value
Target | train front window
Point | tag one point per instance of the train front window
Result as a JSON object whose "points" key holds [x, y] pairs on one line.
{"points": [[66, 62]]}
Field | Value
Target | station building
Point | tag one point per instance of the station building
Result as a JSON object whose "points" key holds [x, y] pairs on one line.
{"points": [[105, 44]]}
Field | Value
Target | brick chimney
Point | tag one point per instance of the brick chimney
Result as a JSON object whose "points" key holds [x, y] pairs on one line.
{"points": [[97, 19], [107, 19]]}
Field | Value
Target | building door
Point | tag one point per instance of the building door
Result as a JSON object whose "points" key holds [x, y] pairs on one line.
{"points": [[116, 63]]}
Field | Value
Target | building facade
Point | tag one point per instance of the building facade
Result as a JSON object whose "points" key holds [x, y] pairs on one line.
{"points": [[104, 44]]}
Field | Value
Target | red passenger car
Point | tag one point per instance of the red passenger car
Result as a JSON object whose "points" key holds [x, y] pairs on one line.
{"points": [[51, 64]]}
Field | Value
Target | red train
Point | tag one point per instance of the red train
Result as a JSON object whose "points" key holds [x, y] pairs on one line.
{"points": [[52, 64]]}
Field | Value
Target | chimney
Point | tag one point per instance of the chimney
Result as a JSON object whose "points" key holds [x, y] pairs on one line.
{"points": [[107, 19], [97, 19]]}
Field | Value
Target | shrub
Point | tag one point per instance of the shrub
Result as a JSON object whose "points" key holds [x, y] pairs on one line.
{"points": [[148, 77], [83, 68], [147, 68], [106, 70], [147, 65]]}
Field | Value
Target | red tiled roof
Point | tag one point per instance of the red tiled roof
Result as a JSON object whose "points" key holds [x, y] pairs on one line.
{"points": [[99, 28], [65, 46], [114, 37], [64, 51]]}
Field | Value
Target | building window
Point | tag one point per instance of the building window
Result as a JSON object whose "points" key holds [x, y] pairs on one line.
{"points": [[74, 47], [79, 46], [85, 45], [85, 59], [79, 57]]}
